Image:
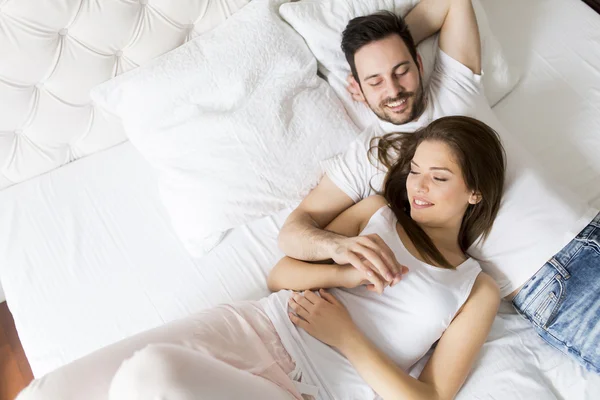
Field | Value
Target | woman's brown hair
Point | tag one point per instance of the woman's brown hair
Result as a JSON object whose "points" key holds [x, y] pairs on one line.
{"points": [[477, 150]]}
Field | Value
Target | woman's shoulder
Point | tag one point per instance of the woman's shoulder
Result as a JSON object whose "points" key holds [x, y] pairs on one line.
{"points": [[367, 207], [485, 287]]}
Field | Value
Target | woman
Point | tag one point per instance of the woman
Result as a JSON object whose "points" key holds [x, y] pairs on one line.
{"points": [[359, 338]]}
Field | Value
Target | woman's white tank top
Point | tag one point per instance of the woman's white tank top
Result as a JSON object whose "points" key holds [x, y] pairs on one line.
{"points": [[404, 322]]}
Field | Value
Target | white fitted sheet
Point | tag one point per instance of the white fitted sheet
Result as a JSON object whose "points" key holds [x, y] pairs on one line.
{"points": [[87, 255]]}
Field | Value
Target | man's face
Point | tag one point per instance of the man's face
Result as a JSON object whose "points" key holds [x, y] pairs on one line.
{"points": [[390, 80]]}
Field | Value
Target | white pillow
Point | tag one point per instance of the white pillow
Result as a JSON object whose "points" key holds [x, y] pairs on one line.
{"points": [[236, 122], [321, 23]]}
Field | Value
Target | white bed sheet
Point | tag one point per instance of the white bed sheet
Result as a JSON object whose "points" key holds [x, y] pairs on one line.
{"points": [[87, 255], [555, 110]]}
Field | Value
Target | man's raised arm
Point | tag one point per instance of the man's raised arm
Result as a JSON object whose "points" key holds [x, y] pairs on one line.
{"points": [[457, 24]]}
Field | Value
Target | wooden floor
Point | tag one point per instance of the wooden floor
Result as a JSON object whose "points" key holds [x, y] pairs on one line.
{"points": [[15, 372]]}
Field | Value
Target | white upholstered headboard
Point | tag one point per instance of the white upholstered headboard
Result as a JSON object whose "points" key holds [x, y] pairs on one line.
{"points": [[52, 52]]}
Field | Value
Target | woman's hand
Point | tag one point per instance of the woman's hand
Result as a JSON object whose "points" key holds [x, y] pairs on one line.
{"points": [[324, 318], [350, 277]]}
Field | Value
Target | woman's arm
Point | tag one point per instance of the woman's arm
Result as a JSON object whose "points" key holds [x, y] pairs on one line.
{"points": [[327, 320], [293, 274]]}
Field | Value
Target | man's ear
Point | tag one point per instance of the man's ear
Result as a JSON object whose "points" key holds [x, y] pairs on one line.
{"points": [[355, 89], [420, 63], [475, 198]]}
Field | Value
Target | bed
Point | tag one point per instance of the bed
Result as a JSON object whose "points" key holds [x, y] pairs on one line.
{"points": [[88, 256]]}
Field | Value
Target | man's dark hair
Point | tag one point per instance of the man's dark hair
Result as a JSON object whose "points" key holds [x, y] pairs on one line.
{"points": [[361, 31]]}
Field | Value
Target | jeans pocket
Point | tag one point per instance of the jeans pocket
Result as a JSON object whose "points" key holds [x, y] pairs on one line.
{"points": [[593, 244], [549, 302]]}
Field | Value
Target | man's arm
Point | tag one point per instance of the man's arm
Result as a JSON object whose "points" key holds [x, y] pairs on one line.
{"points": [[304, 235], [293, 274], [457, 24]]}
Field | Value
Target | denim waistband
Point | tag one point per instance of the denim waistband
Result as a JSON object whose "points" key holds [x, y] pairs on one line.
{"points": [[564, 256]]}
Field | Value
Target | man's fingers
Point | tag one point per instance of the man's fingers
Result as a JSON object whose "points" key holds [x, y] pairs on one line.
{"points": [[376, 243], [374, 258], [357, 263]]}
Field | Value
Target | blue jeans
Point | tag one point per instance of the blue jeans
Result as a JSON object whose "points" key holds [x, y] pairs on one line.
{"points": [[562, 300]]}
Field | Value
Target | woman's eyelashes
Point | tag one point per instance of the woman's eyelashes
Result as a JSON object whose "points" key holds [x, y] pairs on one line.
{"points": [[413, 172]]}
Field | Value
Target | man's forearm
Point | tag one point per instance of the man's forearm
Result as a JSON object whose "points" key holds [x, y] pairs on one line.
{"points": [[303, 239], [427, 18]]}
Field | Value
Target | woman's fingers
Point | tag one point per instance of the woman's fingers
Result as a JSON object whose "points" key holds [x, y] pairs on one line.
{"points": [[302, 300], [329, 297], [298, 309], [298, 321]]}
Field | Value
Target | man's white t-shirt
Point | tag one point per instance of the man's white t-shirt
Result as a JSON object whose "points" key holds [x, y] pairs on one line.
{"points": [[537, 218]]}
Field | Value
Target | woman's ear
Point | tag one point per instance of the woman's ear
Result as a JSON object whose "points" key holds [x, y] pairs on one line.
{"points": [[475, 198]]}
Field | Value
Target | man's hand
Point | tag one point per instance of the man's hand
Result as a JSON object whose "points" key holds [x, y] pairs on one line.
{"points": [[354, 89], [371, 255]]}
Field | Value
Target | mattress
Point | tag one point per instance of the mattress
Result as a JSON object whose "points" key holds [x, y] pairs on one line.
{"points": [[88, 257]]}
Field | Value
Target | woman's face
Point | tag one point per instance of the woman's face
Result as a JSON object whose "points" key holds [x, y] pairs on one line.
{"points": [[436, 189]]}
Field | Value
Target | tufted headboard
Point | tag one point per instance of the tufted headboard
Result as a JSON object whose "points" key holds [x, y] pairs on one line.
{"points": [[52, 52]]}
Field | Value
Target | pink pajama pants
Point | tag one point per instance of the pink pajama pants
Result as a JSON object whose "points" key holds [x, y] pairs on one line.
{"points": [[228, 352]]}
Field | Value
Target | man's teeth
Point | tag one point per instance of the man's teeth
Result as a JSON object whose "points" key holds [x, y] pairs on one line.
{"points": [[396, 103], [421, 203]]}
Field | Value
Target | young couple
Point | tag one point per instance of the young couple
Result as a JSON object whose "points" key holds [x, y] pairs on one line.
{"points": [[440, 179]]}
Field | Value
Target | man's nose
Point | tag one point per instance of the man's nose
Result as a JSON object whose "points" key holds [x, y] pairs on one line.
{"points": [[393, 87]]}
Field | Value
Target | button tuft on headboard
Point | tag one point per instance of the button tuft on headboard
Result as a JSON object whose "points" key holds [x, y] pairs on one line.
{"points": [[51, 54]]}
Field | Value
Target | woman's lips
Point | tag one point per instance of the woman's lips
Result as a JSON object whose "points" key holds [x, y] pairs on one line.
{"points": [[420, 203]]}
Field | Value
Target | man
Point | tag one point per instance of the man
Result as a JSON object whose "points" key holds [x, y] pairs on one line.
{"points": [[534, 225], [388, 71]]}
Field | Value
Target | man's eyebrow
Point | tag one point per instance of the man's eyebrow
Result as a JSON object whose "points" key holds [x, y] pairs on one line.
{"points": [[400, 64], [371, 76], [393, 69]]}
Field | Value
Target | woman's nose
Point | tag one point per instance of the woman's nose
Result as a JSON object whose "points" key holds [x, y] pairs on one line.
{"points": [[421, 185]]}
